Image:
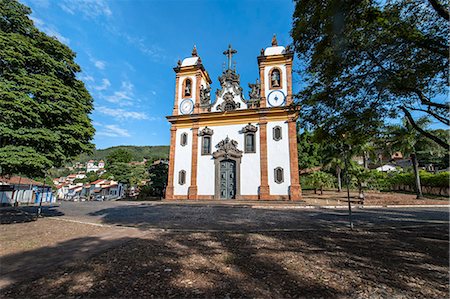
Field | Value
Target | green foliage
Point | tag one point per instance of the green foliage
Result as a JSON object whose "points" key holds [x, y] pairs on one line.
{"points": [[44, 108], [138, 153], [308, 151], [119, 156], [158, 180], [320, 180], [440, 180], [126, 173], [364, 61]]}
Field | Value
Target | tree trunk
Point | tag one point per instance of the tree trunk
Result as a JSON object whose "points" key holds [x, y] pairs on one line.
{"points": [[365, 160], [338, 173], [361, 192], [315, 190], [321, 190], [416, 175]]}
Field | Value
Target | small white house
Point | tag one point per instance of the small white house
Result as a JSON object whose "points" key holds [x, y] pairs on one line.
{"points": [[387, 168]]}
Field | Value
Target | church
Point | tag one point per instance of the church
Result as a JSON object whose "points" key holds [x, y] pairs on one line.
{"points": [[228, 146]]}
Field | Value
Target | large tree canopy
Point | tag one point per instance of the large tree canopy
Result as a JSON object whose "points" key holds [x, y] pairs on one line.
{"points": [[44, 109], [364, 61]]}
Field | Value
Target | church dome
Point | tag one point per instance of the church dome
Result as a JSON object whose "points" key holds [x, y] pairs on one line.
{"points": [[278, 50], [190, 61]]}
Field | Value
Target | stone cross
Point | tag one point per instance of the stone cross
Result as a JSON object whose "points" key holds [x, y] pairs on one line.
{"points": [[229, 53]]}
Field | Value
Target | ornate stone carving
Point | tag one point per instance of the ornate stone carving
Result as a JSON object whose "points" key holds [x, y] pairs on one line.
{"points": [[227, 148], [205, 95], [194, 52], [228, 103], [249, 128], [274, 41], [255, 91], [206, 132]]}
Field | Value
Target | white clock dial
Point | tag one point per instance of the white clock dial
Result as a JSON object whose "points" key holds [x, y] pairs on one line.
{"points": [[187, 106], [276, 98]]}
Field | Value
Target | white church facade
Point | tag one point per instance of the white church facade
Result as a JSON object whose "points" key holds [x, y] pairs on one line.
{"points": [[231, 147]]}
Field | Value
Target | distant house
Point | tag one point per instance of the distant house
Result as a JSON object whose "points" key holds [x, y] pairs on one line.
{"points": [[21, 190], [99, 189], [93, 166], [387, 168]]}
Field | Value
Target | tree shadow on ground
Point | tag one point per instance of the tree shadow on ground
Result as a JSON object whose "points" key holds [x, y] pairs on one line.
{"points": [[315, 264], [246, 218], [11, 215]]}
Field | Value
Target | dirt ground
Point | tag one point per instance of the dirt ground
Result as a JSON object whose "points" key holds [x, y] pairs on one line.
{"points": [[336, 263], [373, 198]]}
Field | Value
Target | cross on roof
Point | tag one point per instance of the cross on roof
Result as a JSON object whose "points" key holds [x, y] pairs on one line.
{"points": [[229, 53]]}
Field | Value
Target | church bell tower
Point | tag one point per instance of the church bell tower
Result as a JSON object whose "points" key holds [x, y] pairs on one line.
{"points": [[275, 68]]}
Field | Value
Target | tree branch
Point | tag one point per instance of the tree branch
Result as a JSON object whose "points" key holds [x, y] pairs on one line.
{"points": [[439, 141], [442, 12], [435, 115]]}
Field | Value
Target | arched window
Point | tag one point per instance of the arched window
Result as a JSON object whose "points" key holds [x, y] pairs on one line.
{"points": [[206, 145], [279, 175], [250, 142], [183, 139], [277, 133], [275, 78], [187, 88], [182, 177]]}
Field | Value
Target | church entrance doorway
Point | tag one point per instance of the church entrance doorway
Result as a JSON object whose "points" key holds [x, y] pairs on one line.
{"points": [[227, 179]]}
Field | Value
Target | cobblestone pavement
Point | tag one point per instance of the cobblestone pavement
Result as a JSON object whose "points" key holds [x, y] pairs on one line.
{"points": [[243, 217]]}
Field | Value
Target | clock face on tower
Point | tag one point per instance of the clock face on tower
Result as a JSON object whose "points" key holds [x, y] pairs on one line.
{"points": [[276, 98], [187, 106]]}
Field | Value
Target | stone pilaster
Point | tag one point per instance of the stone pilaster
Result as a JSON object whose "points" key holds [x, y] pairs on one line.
{"points": [[192, 193], [170, 188], [295, 192], [264, 190]]}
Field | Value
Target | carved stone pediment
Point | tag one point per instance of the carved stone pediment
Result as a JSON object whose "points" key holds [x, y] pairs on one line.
{"points": [[228, 103], [249, 128], [206, 132], [227, 148]]}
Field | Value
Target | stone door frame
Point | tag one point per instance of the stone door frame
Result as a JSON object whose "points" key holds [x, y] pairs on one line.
{"points": [[237, 161]]}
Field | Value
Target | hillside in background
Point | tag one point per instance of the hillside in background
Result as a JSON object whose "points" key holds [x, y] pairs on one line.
{"points": [[138, 152]]}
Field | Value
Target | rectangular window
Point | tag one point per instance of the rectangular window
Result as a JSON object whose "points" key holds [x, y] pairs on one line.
{"points": [[250, 143], [206, 145], [183, 140]]}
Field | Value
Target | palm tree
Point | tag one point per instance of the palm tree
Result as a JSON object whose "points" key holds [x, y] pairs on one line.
{"points": [[404, 139]]}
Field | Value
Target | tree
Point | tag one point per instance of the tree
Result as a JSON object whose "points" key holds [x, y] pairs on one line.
{"points": [[44, 108], [368, 60], [308, 151], [125, 173], [404, 138], [362, 176], [320, 180], [158, 174], [119, 156]]}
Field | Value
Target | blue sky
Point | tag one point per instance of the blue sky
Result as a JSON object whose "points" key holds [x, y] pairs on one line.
{"points": [[127, 51]]}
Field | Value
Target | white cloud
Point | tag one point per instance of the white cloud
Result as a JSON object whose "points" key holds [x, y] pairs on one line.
{"points": [[123, 97], [105, 84], [113, 131], [122, 114], [50, 30], [89, 8], [100, 64], [87, 78], [155, 52]]}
